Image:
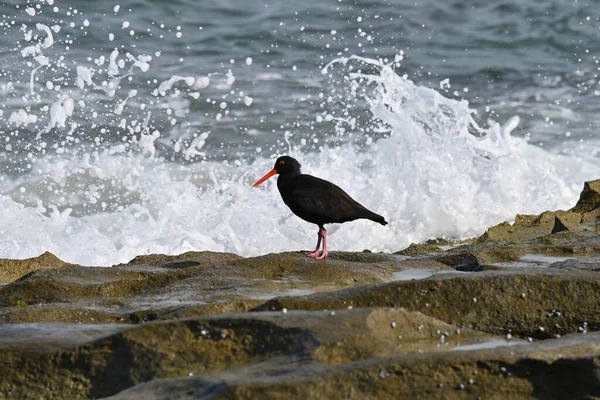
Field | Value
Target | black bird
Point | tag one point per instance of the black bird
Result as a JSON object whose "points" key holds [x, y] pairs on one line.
{"points": [[316, 200]]}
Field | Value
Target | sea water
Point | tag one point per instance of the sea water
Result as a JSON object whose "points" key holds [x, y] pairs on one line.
{"points": [[139, 127]]}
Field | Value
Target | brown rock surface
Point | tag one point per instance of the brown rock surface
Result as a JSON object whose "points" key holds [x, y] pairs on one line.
{"points": [[565, 368], [587, 210], [11, 270], [418, 324]]}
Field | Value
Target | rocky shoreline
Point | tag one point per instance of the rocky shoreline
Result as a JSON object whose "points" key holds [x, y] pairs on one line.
{"points": [[511, 314]]}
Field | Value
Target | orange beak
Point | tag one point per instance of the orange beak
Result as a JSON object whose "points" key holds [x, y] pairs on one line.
{"points": [[264, 178]]}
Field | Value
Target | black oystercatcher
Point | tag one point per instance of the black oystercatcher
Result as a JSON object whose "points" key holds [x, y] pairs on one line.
{"points": [[316, 200]]}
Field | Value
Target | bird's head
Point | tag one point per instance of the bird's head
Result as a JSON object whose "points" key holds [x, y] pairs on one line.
{"points": [[284, 165]]}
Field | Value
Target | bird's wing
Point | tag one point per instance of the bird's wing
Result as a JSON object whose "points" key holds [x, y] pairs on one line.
{"points": [[325, 199]]}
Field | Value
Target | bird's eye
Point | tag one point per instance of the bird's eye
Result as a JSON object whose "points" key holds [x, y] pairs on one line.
{"points": [[281, 162]]}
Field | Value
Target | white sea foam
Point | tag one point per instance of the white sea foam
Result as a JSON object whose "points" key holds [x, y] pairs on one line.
{"points": [[429, 178]]}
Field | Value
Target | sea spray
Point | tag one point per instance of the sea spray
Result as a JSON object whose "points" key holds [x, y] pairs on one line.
{"points": [[102, 163]]}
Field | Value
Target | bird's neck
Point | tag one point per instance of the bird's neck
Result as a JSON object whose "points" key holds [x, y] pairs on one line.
{"points": [[286, 179]]}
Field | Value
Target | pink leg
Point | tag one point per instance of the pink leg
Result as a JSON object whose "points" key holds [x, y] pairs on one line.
{"points": [[324, 252], [316, 253]]}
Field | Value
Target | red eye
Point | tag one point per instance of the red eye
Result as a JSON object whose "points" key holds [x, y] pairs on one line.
{"points": [[281, 162]]}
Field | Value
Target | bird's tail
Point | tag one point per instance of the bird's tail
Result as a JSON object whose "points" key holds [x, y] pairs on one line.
{"points": [[376, 218]]}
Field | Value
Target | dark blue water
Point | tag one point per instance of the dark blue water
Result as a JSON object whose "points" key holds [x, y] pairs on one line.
{"points": [[537, 59]]}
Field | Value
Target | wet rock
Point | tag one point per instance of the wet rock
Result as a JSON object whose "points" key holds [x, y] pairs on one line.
{"points": [[416, 249], [362, 257], [566, 221], [11, 270], [462, 261], [189, 259], [567, 243], [565, 368], [28, 313], [74, 282], [559, 226], [423, 263], [588, 264], [497, 302], [346, 270], [591, 217], [527, 227], [497, 233], [140, 354], [150, 287], [589, 199], [126, 356], [211, 309]]}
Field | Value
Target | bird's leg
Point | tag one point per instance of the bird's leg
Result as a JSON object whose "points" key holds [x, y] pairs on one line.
{"points": [[316, 253], [324, 237]]}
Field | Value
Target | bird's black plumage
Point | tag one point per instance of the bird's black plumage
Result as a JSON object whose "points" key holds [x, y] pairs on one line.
{"points": [[316, 200]]}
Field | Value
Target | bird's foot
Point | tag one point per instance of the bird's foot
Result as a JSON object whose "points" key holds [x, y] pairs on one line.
{"points": [[323, 255], [313, 254]]}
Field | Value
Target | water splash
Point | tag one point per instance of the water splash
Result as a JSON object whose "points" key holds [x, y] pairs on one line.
{"points": [[95, 178]]}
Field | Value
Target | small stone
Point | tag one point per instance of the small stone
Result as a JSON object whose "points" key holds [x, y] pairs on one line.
{"points": [[350, 307], [553, 313], [393, 324], [284, 310], [332, 313], [384, 374], [440, 385], [474, 299], [400, 337], [523, 295], [460, 386], [191, 374], [508, 336], [420, 327], [471, 381]]}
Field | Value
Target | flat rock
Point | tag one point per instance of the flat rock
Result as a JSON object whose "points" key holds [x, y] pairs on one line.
{"points": [[207, 345], [588, 264], [565, 368], [566, 243], [159, 286], [499, 302]]}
